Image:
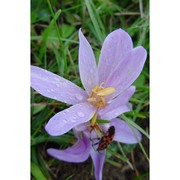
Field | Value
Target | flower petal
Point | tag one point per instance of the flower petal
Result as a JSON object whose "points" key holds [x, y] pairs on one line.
{"points": [[123, 132], [98, 161], [87, 64], [127, 72], [65, 120], [114, 49], [53, 86], [117, 106], [79, 152]]}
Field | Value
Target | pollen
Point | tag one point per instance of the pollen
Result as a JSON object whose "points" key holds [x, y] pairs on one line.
{"points": [[98, 95]]}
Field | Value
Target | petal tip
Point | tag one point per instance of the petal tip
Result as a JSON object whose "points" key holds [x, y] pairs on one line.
{"points": [[143, 51], [80, 33], [50, 131], [132, 89]]}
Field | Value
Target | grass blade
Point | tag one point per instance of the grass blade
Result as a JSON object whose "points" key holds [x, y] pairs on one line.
{"points": [[36, 172], [62, 47], [95, 20], [45, 35], [139, 142]]}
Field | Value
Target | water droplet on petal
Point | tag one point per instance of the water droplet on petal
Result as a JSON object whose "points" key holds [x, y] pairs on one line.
{"points": [[56, 79], [109, 102], [73, 119], [48, 90], [63, 84], [80, 114], [91, 71], [65, 120], [71, 98], [89, 81], [54, 97], [116, 113], [79, 97]]}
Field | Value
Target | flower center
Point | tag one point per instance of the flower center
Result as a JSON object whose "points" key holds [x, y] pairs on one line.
{"points": [[97, 97]]}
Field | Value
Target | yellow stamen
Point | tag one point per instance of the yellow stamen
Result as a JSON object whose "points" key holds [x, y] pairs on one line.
{"points": [[91, 99], [106, 91], [95, 89], [97, 133], [93, 120], [98, 127], [97, 96]]}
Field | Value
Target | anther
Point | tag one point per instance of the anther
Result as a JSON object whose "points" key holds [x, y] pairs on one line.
{"points": [[106, 91]]}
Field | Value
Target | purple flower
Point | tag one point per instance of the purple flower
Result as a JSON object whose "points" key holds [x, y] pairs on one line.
{"points": [[107, 92], [80, 151]]}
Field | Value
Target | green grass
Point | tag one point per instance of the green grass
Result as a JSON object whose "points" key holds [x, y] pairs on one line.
{"points": [[54, 46]]}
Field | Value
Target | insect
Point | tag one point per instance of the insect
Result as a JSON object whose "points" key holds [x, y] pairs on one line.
{"points": [[106, 139]]}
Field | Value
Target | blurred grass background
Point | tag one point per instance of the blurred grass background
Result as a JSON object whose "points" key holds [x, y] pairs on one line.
{"points": [[54, 46]]}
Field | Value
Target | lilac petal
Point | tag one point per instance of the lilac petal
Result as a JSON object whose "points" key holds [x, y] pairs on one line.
{"points": [[53, 86], [123, 132], [114, 112], [87, 64], [65, 120], [118, 105], [116, 45], [81, 127], [98, 161], [79, 152], [127, 72]]}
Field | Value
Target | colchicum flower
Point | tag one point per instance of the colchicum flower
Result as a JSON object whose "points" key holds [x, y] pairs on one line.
{"points": [[106, 95]]}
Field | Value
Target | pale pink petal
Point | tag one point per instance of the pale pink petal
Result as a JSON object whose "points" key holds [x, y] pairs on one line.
{"points": [[115, 47], [123, 132], [79, 152], [98, 161], [127, 72], [87, 64], [65, 120], [117, 106], [53, 86]]}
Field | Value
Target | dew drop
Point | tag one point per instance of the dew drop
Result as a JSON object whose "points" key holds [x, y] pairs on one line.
{"points": [[79, 97], [91, 71], [65, 120], [116, 113], [109, 102], [73, 119], [63, 84], [89, 81], [56, 79], [80, 114], [71, 98], [48, 90], [54, 97], [64, 112]]}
